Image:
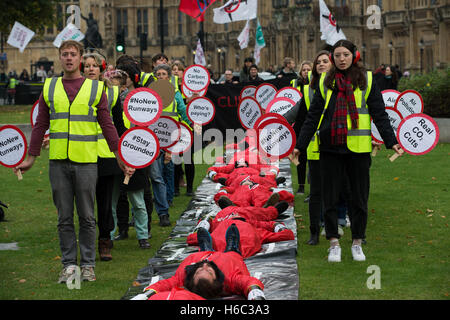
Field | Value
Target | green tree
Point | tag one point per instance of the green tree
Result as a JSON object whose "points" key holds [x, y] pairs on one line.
{"points": [[34, 14]]}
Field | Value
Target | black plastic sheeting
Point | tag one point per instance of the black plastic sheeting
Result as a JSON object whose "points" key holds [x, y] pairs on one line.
{"points": [[275, 265]]}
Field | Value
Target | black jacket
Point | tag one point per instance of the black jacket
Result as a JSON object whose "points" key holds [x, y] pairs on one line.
{"points": [[377, 111]]}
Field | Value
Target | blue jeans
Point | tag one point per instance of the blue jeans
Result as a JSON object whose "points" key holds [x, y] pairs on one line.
{"points": [[159, 186], [169, 179], [139, 210]]}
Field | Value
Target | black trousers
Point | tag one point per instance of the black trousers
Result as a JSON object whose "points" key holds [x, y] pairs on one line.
{"points": [[103, 194], [336, 171], [301, 168], [315, 198]]}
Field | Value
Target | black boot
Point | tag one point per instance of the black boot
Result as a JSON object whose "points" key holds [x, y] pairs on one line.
{"points": [[122, 235], [233, 239], [314, 239], [204, 240], [281, 207]]}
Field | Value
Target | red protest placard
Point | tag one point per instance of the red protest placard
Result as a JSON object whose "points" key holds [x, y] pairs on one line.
{"points": [[276, 139], [138, 148], [196, 78], [201, 111], [249, 111], [167, 130], [143, 106], [13, 147]]}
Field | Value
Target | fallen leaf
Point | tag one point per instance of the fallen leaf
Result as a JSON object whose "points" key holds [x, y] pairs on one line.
{"points": [[433, 178], [429, 210], [22, 281], [396, 178], [136, 284], [57, 258]]}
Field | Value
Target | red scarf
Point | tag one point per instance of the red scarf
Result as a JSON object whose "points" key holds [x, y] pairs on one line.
{"points": [[345, 98]]}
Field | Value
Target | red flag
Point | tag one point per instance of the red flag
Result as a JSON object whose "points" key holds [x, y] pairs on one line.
{"points": [[195, 8]]}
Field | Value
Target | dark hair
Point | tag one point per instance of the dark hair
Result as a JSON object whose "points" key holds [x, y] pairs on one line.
{"points": [[133, 71], [315, 77], [125, 58], [394, 74], [203, 287], [253, 66], [249, 59], [158, 56], [356, 72]]}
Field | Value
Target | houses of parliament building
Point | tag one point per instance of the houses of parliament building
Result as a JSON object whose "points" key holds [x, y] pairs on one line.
{"points": [[414, 34]]}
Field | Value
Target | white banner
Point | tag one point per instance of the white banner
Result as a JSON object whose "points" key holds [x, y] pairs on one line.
{"points": [[236, 10], [199, 54], [70, 32], [244, 36], [331, 32], [20, 36]]}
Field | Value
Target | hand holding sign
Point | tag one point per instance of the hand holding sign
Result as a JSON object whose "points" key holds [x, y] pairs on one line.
{"points": [[395, 117], [13, 148], [138, 148], [417, 134]]}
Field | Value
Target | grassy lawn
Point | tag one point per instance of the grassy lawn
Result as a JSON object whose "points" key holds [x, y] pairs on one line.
{"points": [[407, 237], [15, 114]]}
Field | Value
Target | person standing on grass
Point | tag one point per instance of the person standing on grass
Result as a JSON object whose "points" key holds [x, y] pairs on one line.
{"points": [[93, 66], [71, 106], [341, 113]]}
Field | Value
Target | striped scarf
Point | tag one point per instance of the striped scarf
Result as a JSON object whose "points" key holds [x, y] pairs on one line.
{"points": [[339, 122]]}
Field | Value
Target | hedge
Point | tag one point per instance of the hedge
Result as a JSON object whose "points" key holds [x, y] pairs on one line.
{"points": [[435, 90]]}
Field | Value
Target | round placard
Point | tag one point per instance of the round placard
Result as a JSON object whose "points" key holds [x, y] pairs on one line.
{"points": [[264, 94], [33, 117], [394, 116], [201, 111], [249, 112], [389, 97], [167, 130], [409, 102], [290, 93], [142, 106], [276, 138], [188, 93], [165, 89], [138, 147], [13, 146], [418, 134], [248, 91], [185, 141], [268, 116], [196, 78], [280, 105]]}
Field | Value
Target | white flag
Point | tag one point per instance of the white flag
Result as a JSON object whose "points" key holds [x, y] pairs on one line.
{"points": [[244, 36], [331, 32], [259, 43], [199, 54], [20, 36], [236, 10], [70, 32]]}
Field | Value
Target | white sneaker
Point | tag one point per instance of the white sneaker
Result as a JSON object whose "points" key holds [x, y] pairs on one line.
{"points": [[358, 254], [334, 254]]}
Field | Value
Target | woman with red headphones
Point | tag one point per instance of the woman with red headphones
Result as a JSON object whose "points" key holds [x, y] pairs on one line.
{"points": [[341, 113]]}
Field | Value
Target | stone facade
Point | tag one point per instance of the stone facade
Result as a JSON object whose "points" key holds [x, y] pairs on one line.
{"points": [[417, 29]]}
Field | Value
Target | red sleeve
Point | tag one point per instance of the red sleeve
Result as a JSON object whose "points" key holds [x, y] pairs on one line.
{"points": [[225, 169], [108, 129], [38, 132]]}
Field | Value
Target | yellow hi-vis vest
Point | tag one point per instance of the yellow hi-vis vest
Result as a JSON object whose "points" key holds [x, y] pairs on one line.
{"points": [[359, 140], [295, 84], [73, 126], [112, 94], [144, 78], [171, 109]]}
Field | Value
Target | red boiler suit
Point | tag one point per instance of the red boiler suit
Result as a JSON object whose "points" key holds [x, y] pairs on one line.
{"points": [[252, 235], [237, 277]]}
